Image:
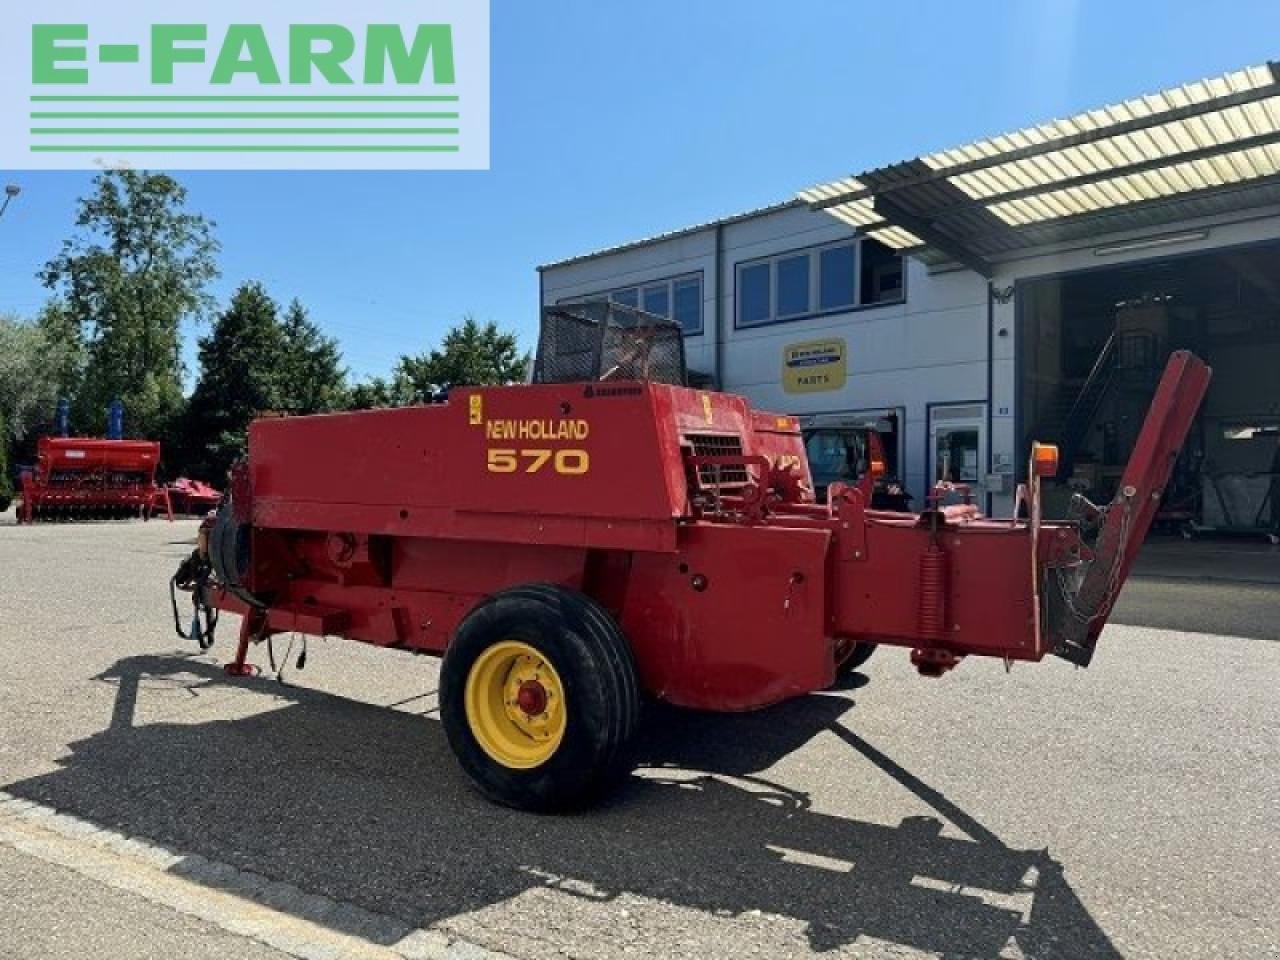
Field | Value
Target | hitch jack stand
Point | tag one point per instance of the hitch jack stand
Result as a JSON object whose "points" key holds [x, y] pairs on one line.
{"points": [[252, 629]]}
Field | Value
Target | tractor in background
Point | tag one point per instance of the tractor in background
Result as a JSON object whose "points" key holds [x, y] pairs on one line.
{"points": [[846, 448]]}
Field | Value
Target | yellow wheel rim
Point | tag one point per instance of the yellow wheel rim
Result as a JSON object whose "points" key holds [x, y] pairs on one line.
{"points": [[515, 704]]}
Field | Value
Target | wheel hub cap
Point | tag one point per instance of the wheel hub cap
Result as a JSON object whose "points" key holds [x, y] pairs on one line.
{"points": [[515, 704], [532, 698]]}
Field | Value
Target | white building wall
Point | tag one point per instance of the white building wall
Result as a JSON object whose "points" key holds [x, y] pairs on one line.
{"points": [[930, 349]]}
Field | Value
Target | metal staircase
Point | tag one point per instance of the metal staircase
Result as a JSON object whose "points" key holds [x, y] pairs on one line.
{"points": [[1089, 398], [1127, 363], [1068, 418]]}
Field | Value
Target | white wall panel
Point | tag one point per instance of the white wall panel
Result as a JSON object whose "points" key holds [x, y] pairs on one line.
{"points": [[930, 349]]}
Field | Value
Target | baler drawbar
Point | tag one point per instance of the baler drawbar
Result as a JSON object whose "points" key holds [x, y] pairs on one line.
{"points": [[570, 547]]}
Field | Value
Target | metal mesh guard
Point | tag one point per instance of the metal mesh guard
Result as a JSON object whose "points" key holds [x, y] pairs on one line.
{"points": [[601, 340]]}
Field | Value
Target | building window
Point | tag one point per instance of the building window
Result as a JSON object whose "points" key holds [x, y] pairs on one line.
{"points": [[840, 276], [881, 273], [678, 299], [755, 294], [657, 299], [687, 297], [628, 297], [793, 286], [836, 271]]}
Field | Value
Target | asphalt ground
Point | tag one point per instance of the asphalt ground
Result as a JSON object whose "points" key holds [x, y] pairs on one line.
{"points": [[1131, 809]]}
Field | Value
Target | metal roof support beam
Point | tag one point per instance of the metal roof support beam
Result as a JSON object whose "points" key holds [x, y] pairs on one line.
{"points": [[932, 236], [1104, 213], [1212, 105], [1113, 173]]}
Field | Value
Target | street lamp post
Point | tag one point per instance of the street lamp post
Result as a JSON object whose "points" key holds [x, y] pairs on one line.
{"points": [[10, 191]]}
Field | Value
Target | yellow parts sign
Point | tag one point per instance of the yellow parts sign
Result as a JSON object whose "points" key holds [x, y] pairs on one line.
{"points": [[475, 414], [814, 366]]}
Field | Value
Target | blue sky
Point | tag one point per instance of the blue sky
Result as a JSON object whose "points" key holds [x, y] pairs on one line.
{"points": [[615, 120]]}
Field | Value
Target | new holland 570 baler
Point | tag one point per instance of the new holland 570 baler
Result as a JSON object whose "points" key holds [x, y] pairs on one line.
{"points": [[571, 546]]}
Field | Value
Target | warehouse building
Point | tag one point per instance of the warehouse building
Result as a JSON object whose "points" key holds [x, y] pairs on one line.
{"points": [[1026, 286]]}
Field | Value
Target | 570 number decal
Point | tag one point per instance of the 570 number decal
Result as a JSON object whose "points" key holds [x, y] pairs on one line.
{"points": [[528, 460]]}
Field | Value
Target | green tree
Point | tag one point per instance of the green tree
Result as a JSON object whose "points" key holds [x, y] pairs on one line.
{"points": [[31, 363], [312, 378], [63, 353], [471, 354], [239, 380], [136, 265], [370, 394], [6, 483]]}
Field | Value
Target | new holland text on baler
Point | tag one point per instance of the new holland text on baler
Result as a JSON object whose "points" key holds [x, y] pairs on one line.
{"points": [[572, 545]]}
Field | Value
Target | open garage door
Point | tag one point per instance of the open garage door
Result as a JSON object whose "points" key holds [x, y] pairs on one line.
{"points": [[1091, 345]]}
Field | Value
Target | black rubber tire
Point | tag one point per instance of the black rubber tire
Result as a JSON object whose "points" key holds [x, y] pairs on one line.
{"points": [[230, 553], [861, 654], [602, 691]]}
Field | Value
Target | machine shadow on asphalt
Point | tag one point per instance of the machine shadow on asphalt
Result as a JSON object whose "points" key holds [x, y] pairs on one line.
{"points": [[365, 804]]}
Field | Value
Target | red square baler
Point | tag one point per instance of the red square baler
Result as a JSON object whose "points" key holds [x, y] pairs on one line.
{"points": [[571, 547]]}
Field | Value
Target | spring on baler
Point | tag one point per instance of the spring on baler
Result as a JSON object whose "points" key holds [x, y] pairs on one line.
{"points": [[933, 592]]}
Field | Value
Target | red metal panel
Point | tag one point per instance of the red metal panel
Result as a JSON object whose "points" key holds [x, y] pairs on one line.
{"points": [[307, 618], [396, 591], [87, 454], [559, 464], [735, 620], [987, 604], [415, 619], [584, 451]]}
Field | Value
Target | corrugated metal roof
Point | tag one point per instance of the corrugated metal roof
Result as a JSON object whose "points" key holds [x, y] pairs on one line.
{"points": [[1139, 162], [673, 234]]}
